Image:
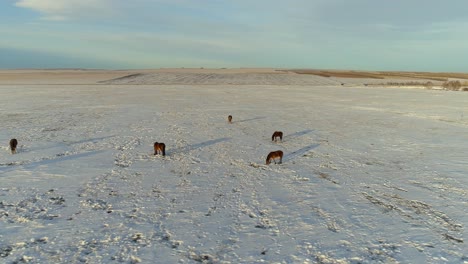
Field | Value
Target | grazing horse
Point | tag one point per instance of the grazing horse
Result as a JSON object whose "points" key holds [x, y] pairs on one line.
{"points": [[159, 147], [13, 144], [273, 156], [277, 134], [230, 118]]}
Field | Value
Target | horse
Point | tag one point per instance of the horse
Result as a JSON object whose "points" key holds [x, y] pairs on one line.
{"points": [[273, 156], [277, 134], [230, 119], [159, 147], [13, 144]]}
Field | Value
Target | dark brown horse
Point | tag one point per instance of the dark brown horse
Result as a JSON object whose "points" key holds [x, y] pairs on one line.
{"points": [[277, 134], [13, 144], [230, 118], [273, 156], [159, 148]]}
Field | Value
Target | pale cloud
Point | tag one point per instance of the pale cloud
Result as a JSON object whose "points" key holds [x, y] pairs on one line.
{"points": [[65, 9], [362, 34]]}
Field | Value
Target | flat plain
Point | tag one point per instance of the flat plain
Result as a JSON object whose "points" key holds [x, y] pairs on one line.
{"points": [[370, 174]]}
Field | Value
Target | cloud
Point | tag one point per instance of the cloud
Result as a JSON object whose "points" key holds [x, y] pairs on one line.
{"points": [[65, 9], [13, 58], [295, 33]]}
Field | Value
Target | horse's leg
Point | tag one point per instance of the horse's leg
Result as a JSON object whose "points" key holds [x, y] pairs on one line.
{"points": [[164, 151]]}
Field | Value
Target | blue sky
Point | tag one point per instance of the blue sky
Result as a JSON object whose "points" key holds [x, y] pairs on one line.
{"points": [[413, 35]]}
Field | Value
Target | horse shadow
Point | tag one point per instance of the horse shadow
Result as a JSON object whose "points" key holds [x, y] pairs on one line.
{"points": [[88, 140], [250, 119], [62, 144], [299, 152], [49, 160], [197, 145], [62, 157], [298, 134]]}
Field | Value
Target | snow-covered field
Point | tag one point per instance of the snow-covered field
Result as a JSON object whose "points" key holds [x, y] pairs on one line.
{"points": [[370, 175], [222, 78]]}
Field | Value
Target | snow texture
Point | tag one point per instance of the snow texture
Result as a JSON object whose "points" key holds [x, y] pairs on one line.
{"points": [[369, 175]]}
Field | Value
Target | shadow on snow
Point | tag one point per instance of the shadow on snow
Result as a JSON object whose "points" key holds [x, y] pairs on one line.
{"points": [[292, 155], [197, 145], [298, 134], [48, 160], [251, 119]]}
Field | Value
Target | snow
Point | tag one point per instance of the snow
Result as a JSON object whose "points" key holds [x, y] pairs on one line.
{"points": [[247, 77], [370, 175]]}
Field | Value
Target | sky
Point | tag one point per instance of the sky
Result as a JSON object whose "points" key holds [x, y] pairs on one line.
{"points": [[412, 35]]}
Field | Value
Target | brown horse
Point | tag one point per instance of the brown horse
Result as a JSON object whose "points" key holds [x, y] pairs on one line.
{"points": [[13, 144], [230, 119], [275, 155], [277, 134], [159, 147]]}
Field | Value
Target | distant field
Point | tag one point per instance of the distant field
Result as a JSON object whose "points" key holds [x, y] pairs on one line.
{"points": [[234, 76], [435, 76]]}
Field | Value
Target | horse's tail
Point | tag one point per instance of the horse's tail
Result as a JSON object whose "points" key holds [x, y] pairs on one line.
{"points": [[280, 156], [13, 144]]}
